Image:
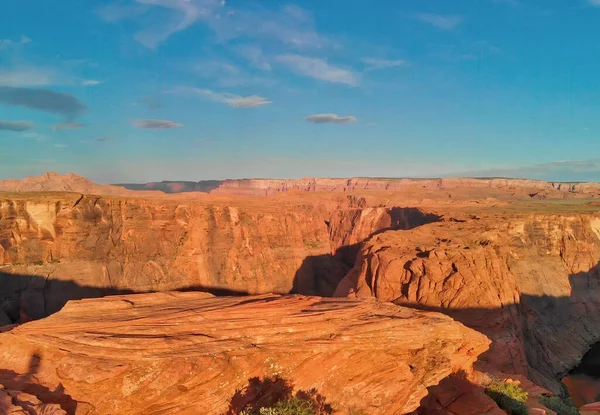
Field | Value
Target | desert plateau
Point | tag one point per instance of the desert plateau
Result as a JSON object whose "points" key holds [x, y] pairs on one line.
{"points": [[358, 296]]}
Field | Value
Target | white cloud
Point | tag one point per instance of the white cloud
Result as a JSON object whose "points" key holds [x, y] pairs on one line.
{"points": [[318, 69], [255, 56], [16, 125], [190, 11], [27, 77], [60, 145], [374, 63], [594, 2], [68, 126], [155, 124], [330, 119], [35, 136], [225, 74], [9, 43], [90, 82], [233, 100], [290, 25], [440, 21]]}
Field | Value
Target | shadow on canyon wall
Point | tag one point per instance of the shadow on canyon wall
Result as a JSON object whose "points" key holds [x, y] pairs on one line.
{"points": [[27, 297], [320, 274], [26, 383], [541, 337]]}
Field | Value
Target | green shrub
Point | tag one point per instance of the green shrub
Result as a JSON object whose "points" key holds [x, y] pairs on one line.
{"points": [[293, 406], [508, 396], [562, 406]]}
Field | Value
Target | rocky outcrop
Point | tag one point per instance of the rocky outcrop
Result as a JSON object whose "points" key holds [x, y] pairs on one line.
{"points": [[188, 353], [529, 282]]}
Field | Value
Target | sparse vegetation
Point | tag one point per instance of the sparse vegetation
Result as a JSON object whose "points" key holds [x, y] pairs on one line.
{"points": [[508, 396], [38, 263], [562, 406], [275, 396], [293, 406]]}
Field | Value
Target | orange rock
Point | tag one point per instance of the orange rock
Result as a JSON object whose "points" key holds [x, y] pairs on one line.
{"points": [[529, 282], [188, 353]]}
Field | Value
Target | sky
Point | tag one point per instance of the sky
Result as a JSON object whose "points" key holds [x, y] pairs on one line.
{"points": [[149, 90]]}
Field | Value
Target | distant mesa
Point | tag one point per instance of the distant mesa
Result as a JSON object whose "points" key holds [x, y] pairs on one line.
{"points": [[533, 189], [54, 182]]}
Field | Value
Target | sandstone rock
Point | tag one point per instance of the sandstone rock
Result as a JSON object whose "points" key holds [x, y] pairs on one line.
{"points": [[529, 282], [68, 246], [187, 353]]}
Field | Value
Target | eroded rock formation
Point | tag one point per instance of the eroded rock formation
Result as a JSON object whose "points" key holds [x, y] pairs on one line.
{"points": [[188, 353], [529, 282]]}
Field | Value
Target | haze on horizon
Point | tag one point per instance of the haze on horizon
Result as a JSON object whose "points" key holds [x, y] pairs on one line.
{"points": [[147, 90]]}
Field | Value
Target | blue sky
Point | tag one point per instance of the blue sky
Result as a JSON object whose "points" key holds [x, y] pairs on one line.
{"points": [[143, 90]]}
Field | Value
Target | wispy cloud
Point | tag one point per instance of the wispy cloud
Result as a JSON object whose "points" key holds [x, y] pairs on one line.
{"points": [[26, 76], [90, 82], [289, 25], [60, 145], [318, 69], [185, 13], [103, 139], [594, 2], [255, 56], [155, 124], [9, 43], [224, 73], [68, 126], [152, 102], [330, 119], [43, 100], [16, 125], [118, 11], [34, 135], [440, 21], [374, 63], [233, 100]]}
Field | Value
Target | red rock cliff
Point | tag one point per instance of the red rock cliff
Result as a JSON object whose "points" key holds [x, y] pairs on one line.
{"points": [[55, 247], [529, 282]]}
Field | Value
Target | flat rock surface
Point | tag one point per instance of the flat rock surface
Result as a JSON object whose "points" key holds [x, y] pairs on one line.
{"points": [[188, 353]]}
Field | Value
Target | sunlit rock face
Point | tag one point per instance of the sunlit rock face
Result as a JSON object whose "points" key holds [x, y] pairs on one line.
{"points": [[190, 353], [529, 282]]}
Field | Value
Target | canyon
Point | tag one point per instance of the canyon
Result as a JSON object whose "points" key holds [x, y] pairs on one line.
{"points": [[512, 261]]}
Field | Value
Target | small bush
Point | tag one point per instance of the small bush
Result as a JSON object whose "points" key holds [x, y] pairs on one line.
{"points": [[562, 406], [293, 406], [508, 396]]}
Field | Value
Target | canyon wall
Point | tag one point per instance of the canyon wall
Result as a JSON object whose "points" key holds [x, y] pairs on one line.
{"points": [[55, 247], [529, 282]]}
